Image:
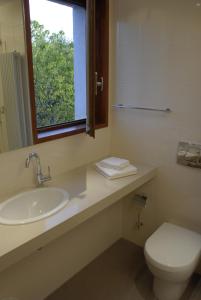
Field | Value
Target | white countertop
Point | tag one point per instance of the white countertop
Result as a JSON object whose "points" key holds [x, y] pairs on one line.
{"points": [[89, 192]]}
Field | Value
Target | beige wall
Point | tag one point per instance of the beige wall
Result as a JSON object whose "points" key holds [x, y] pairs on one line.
{"points": [[158, 46]]}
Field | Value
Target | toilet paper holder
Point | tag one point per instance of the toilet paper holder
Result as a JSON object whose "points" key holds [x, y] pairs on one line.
{"points": [[140, 200]]}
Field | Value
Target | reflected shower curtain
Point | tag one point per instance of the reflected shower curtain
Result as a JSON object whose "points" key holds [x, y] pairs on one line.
{"points": [[16, 101]]}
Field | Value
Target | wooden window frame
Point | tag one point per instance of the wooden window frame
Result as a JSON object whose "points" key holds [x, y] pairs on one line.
{"points": [[101, 66]]}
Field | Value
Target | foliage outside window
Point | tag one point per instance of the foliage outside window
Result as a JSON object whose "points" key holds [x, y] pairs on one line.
{"points": [[53, 76]]}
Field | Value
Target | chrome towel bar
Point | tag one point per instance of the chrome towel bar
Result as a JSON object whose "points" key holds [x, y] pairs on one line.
{"points": [[165, 110]]}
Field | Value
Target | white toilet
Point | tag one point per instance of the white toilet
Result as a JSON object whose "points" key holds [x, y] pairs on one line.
{"points": [[172, 254]]}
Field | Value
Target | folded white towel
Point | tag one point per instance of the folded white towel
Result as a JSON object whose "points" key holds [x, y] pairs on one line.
{"points": [[114, 163], [113, 174]]}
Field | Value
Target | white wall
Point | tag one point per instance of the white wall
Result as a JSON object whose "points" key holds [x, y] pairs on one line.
{"points": [[158, 62]]}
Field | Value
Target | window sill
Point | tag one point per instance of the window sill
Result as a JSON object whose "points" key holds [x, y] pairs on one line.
{"points": [[64, 132], [60, 133]]}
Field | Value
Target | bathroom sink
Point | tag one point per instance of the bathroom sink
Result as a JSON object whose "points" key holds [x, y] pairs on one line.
{"points": [[32, 206]]}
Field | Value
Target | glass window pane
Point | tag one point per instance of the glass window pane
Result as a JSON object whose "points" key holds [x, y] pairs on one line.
{"points": [[58, 62]]}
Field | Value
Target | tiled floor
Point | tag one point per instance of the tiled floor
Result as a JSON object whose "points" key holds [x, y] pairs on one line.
{"points": [[194, 290], [120, 273]]}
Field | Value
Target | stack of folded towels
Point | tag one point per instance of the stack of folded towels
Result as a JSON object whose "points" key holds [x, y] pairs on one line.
{"points": [[115, 167]]}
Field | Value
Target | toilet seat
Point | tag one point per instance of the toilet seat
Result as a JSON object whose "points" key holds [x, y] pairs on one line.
{"points": [[173, 248]]}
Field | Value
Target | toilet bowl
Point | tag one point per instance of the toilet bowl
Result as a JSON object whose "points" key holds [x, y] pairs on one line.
{"points": [[172, 254]]}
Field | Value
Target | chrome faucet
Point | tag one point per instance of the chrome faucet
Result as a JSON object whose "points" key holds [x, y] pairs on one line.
{"points": [[40, 178]]}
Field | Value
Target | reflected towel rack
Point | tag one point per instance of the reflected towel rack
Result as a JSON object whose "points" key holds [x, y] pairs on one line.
{"points": [[165, 110]]}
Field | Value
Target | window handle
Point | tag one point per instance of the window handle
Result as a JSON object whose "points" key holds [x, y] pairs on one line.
{"points": [[98, 84]]}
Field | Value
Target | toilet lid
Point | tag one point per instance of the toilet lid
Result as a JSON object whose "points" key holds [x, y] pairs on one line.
{"points": [[172, 247]]}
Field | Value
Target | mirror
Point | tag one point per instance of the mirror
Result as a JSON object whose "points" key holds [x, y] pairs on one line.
{"points": [[15, 113], [53, 70], [42, 70]]}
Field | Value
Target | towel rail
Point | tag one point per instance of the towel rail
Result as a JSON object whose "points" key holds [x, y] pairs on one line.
{"points": [[165, 110]]}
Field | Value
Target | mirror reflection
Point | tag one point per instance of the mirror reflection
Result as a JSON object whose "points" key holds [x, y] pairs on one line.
{"points": [[42, 70], [15, 113]]}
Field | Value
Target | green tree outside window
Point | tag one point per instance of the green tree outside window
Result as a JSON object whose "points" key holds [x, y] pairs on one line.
{"points": [[53, 76]]}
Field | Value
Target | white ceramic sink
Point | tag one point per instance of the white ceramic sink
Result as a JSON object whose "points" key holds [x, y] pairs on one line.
{"points": [[32, 206]]}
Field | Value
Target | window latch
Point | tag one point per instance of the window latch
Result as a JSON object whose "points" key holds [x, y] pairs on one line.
{"points": [[98, 84]]}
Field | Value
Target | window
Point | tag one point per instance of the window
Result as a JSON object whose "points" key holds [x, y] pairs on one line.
{"points": [[61, 77]]}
